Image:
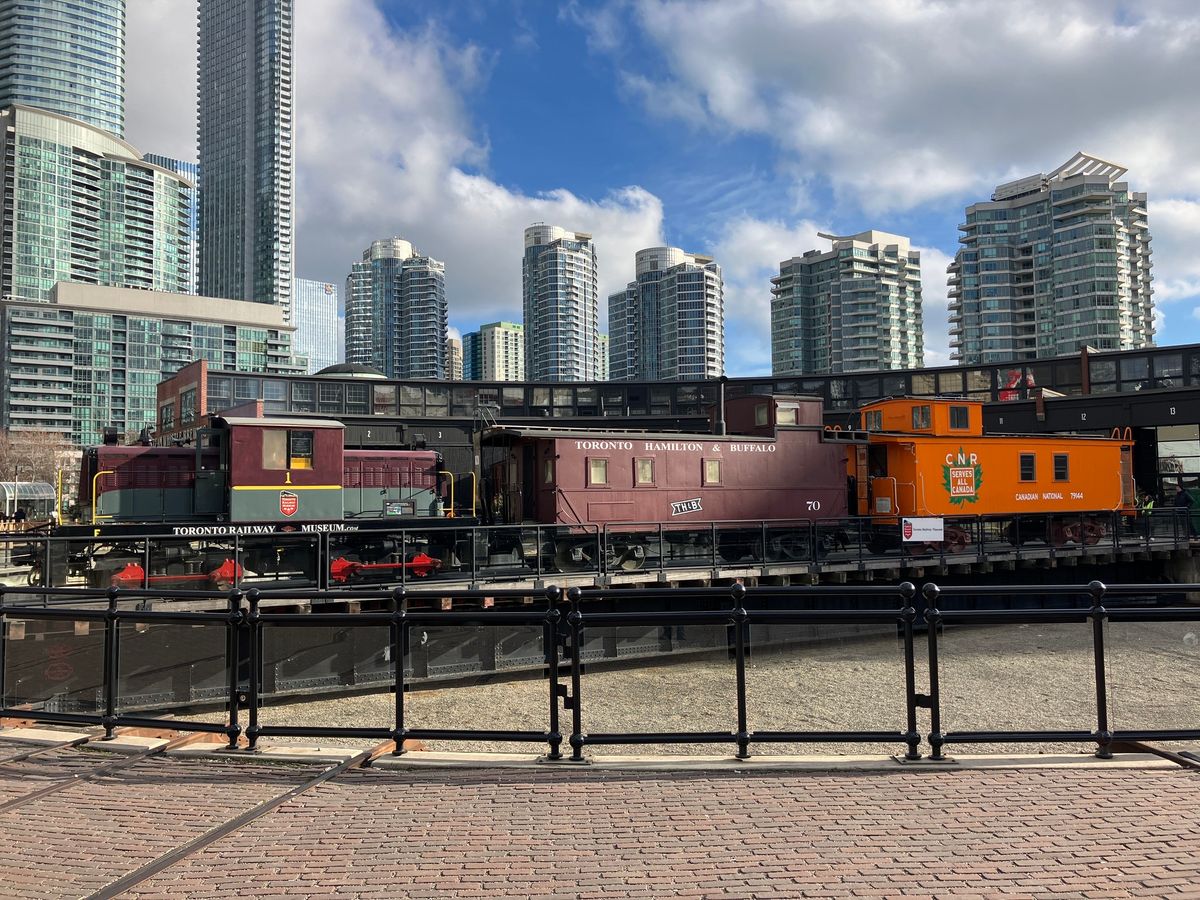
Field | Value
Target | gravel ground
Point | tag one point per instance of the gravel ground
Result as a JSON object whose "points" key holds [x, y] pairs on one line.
{"points": [[1024, 677]]}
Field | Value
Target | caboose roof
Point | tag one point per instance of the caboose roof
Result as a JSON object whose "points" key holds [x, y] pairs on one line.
{"points": [[584, 434], [280, 422]]}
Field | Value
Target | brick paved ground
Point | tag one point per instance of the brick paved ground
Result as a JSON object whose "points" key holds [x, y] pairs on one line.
{"points": [[1058, 832]]}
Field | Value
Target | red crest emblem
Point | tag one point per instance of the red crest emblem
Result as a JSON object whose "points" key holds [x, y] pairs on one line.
{"points": [[907, 529], [288, 503]]}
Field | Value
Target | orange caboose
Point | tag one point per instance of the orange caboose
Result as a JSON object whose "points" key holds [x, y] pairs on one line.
{"points": [[930, 457]]}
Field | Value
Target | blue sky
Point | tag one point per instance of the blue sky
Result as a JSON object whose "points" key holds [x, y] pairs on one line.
{"points": [[738, 128]]}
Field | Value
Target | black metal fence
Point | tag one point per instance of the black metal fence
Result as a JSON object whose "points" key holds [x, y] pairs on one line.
{"points": [[221, 557], [565, 621]]}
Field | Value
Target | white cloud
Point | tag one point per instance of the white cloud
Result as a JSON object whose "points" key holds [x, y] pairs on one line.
{"points": [[899, 103], [386, 146], [934, 301], [160, 77], [749, 252]]}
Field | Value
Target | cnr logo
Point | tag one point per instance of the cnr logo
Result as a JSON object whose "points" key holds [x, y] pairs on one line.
{"points": [[962, 459]]}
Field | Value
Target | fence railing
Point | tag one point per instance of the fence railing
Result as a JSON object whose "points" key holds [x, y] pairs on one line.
{"points": [[565, 620], [411, 557]]}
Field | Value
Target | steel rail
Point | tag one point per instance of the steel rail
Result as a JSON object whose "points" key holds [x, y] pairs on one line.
{"points": [[154, 867]]}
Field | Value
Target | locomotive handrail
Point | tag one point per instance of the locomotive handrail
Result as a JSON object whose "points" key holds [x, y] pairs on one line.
{"points": [[450, 475], [95, 496]]}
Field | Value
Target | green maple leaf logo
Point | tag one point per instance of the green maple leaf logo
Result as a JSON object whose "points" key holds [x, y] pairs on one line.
{"points": [[962, 498]]}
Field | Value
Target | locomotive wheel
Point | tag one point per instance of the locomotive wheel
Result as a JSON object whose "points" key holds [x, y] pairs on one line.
{"points": [[34, 578]]}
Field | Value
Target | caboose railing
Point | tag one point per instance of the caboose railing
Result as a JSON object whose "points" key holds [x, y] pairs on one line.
{"points": [[202, 557]]}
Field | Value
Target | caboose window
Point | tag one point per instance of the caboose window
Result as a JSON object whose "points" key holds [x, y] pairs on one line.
{"points": [[1028, 467], [921, 417], [712, 471], [643, 471], [760, 414], [785, 415], [547, 471], [1061, 468], [873, 420], [283, 450], [597, 471], [960, 417]]}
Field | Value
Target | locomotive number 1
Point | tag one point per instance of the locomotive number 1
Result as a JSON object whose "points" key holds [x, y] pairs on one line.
{"points": [[814, 505]]}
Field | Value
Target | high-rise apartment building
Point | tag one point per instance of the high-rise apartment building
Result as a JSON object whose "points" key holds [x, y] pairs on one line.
{"points": [[561, 305], [454, 358], [854, 308], [396, 314], [247, 191], [190, 171], [669, 322], [315, 314], [65, 57], [93, 356], [82, 205], [501, 352], [604, 351], [1051, 263]]}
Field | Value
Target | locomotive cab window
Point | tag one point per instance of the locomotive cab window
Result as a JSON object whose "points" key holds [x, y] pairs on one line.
{"points": [[643, 471], [597, 472], [1061, 468], [712, 471], [960, 417], [921, 417], [284, 450], [1028, 467]]}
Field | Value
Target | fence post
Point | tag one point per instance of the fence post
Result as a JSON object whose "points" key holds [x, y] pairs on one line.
{"points": [[4, 647], [232, 661], [253, 700], [740, 626], [912, 737], [933, 616], [550, 643], [111, 664], [397, 633], [575, 620], [1098, 615]]}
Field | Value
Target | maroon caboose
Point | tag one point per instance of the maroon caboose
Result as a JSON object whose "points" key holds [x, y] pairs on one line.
{"points": [[781, 465]]}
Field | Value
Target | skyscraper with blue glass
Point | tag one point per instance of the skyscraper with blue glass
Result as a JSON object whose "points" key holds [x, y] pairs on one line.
{"points": [[247, 191], [66, 57], [316, 314]]}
